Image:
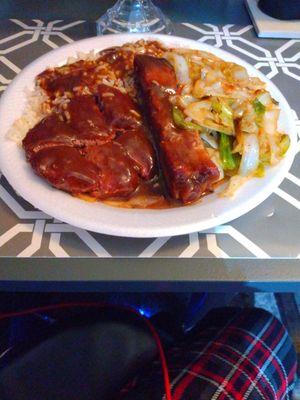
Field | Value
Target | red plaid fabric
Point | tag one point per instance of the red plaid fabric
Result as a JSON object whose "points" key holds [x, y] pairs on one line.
{"points": [[235, 354]]}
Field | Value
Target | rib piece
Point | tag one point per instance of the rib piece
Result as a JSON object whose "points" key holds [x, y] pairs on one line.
{"points": [[85, 74], [117, 176], [102, 171], [50, 132], [187, 169], [86, 126], [123, 114], [186, 166], [84, 115], [154, 70], [113, 63], [120, 110], [89, 135], [64, 168], [58, 81], [140, 150]]}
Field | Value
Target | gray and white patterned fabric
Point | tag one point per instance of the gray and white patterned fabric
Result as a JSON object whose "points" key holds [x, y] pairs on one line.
{"points": [[269, 231]]}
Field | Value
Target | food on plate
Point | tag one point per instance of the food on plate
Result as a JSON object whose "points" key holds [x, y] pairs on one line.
{"points": [[144, 126], [186, 166]]}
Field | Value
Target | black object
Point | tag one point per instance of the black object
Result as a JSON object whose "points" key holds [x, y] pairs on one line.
{"points": [[281, 9], [80, 362]]}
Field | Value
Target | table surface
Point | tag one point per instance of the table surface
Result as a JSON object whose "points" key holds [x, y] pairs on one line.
{"points": [[259, 250]]}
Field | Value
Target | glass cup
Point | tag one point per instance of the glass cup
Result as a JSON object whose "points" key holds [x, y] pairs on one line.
{"points": [[133, 16]]}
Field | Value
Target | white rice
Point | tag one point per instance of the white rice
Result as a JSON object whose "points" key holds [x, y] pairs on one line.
{"points": [[90, 56], [34, 111]]}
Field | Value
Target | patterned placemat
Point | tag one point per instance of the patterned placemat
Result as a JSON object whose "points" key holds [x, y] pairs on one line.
{"points": [[269, 231]]}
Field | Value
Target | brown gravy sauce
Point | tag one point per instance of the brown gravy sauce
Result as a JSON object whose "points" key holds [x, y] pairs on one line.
{"points": [[148, 195]]}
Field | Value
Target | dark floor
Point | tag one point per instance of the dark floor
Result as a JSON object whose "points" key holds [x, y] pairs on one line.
{"points": [[285, 306]]}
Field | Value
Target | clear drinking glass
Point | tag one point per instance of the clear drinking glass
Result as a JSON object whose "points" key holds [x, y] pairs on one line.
{"points": [[134, 16]]}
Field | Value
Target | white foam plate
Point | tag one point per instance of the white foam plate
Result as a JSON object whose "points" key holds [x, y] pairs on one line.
{"points": [[98, 217]]}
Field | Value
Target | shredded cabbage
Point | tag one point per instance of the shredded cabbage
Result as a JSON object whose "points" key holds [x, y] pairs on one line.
{"points": [[220, 96]]}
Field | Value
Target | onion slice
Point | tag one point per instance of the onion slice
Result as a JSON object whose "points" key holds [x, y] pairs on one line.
{"points": [[270, 120], [250, 156], [209, 139], [181, 69]]}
